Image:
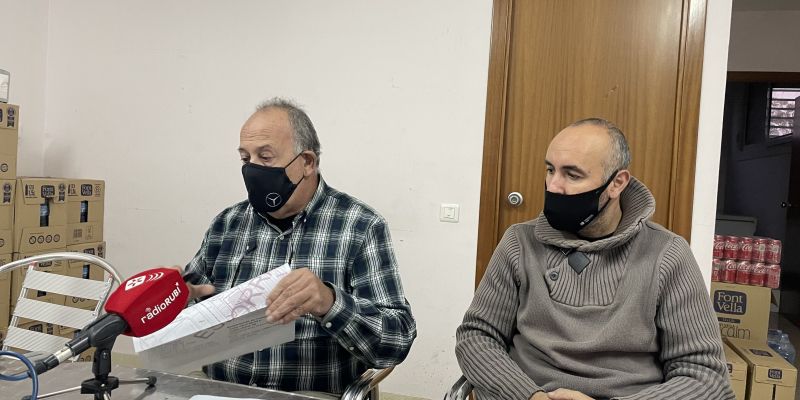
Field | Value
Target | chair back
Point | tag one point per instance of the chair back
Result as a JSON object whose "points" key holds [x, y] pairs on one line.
{"points": [[52, 318]]}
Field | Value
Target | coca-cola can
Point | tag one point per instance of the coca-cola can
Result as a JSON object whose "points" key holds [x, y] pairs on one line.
{"points": [[729, 272], [731, 248], [743, 269], [759, 250], [773, 276], [773, 252], [746, 248], [719, 246], [717, 269], [758, 275]]}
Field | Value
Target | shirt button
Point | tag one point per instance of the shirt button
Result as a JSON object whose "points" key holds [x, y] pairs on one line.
{"points": [[247, 248], [554, 275], [328, 324], [351, 348], [253, 385]]}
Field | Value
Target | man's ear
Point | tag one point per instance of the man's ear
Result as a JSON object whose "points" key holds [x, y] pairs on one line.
{"points": [[309, 162], [619, 183]]}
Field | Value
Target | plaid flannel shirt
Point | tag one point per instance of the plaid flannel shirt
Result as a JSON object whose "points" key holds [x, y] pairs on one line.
{"points": [[347, 245]]}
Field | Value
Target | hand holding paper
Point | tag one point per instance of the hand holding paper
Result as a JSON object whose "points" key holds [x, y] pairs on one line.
{"points": [[299, 293]]}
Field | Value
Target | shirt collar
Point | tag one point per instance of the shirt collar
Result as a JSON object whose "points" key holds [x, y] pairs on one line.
{"points": [[317, 199]]}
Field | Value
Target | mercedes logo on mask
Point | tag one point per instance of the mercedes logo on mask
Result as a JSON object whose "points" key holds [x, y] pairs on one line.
{"points": [[273, 199]]}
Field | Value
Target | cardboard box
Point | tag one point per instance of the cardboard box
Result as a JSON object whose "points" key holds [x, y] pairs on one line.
{"points": [[737, 372], [38, 326], [85, 207], [40, 214], [78, 269], [769, 376], [7, 187], [742, 310], [65, 331], [9, 140], [5, 293], [9, 116], [18, 276], [95, 249]]}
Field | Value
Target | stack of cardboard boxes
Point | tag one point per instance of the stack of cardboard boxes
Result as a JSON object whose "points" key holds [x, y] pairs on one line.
{"points": [[85, 207], [8, 173], [756, 371], [44, 215]]}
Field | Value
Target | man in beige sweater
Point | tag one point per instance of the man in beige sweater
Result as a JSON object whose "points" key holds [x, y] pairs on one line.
{"points": [[592, 300]]}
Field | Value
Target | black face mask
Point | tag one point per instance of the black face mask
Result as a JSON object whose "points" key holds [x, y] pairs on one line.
{"points": [[268, 188], [573, 212]]}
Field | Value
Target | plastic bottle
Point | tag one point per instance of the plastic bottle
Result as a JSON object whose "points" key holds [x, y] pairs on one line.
{"points": [[774, 338], [786, 349]]}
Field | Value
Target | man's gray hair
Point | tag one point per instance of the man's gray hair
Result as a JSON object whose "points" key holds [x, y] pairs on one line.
{"points": [[620, 157], [303, 132]]}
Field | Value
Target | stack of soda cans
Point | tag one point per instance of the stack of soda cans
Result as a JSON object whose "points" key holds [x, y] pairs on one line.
{"points": [[747, 261]]}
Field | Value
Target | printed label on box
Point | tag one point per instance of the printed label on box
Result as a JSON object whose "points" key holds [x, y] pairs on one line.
{"points": [[730, 302]]}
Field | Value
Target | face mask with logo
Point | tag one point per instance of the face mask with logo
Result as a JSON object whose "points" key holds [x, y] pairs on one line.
{"points": [[573, 212], [268, 188]]}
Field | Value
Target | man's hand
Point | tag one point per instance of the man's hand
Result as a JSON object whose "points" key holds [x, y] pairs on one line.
{"points": [[539, 396], [566, 394], [299, 293], [195, 291]]}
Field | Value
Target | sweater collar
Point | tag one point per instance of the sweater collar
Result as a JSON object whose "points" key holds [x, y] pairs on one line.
{"points": [[638, 205]]}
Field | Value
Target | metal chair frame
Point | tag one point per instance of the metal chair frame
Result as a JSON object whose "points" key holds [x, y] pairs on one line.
{"points": [[366, 387], [460, 390]]}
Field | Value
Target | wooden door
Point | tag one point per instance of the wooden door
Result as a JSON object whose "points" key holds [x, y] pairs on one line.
{"points": [[636, 63]]}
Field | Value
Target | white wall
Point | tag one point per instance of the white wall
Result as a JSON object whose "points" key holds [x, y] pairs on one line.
{"points": [[765, 41], [150, 96], [23, 54], [709, 136]]}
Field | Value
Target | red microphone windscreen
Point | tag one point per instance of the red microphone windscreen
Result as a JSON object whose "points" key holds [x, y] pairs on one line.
{"points": [[149, 300]]}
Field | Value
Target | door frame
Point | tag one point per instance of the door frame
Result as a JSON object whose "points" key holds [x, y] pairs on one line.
{"points": [[685, 133]]}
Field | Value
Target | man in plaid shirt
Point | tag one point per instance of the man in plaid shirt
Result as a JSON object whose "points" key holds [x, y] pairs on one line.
{"points": [[344, 293]]}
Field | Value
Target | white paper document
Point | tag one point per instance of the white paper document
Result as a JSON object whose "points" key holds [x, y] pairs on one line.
{"points": [[227, 325]]}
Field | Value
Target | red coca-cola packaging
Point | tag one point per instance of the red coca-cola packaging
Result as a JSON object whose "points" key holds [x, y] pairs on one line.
{"points": [[743, 269], [759, 250], [717, 269], [773, 276], [758, 275], [729, 272], [719, 246], [746, 248], [773, 252], [731, 248]]}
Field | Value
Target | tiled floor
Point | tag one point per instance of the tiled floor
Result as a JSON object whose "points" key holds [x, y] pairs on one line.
{"points": [[779, 322]]}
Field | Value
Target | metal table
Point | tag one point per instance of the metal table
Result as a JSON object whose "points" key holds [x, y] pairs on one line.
{"points": [[168, 386]]}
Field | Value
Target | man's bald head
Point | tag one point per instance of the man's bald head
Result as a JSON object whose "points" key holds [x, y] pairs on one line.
{"points": [[619, 156]]}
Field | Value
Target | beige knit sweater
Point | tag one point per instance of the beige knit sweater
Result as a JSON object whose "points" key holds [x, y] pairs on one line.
{"points": [[637, 323]]}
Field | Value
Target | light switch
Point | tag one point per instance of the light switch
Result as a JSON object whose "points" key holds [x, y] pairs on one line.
{"points": [[448, 213]]}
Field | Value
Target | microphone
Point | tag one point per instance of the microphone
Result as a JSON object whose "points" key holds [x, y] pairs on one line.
{"points": [[141, 305]]}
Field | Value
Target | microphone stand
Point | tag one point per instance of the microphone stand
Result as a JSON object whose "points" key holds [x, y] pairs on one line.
{"points": [[102, 384]]}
